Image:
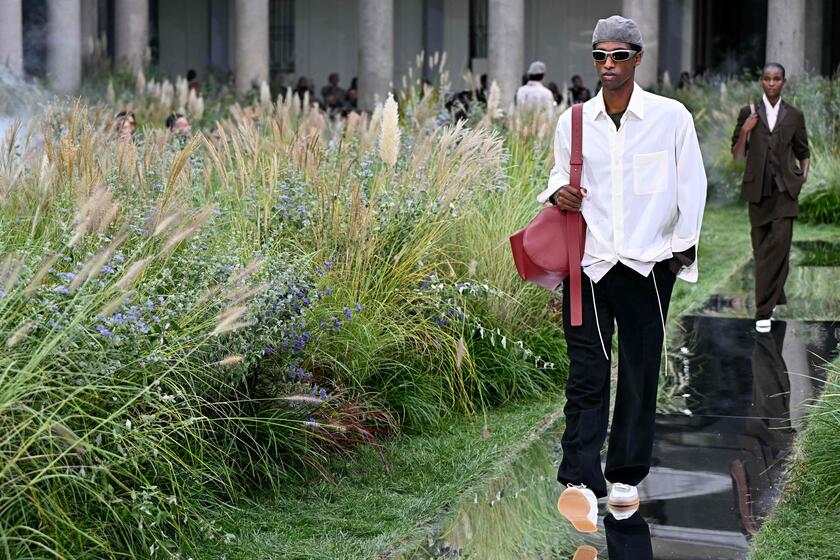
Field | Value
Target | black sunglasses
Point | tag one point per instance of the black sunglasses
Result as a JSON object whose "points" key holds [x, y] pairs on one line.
{"points": [[619, 55]]}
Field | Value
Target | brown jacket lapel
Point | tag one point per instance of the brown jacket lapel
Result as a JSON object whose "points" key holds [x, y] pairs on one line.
{"points": [[782, 112], [762, 113]]}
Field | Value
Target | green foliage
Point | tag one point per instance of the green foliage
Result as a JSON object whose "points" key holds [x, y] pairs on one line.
{"points": [[187, 319], [811, 502]]}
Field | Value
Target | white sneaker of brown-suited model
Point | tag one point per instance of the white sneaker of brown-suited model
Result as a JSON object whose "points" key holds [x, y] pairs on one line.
{"points": [[579, 505]]}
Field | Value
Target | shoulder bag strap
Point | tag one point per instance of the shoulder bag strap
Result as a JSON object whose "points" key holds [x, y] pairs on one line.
{"points": [[573, 219]]}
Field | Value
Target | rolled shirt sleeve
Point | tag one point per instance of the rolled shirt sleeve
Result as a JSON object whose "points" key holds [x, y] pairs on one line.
{"points": [[691, 194], [559, 175]]}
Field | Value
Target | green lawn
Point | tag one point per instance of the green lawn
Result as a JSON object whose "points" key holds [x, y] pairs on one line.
{"points": [[365, 510]]}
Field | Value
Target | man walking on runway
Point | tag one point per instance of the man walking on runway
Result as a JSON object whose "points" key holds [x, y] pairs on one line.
{"points": [[644, 189], [771, 135]]}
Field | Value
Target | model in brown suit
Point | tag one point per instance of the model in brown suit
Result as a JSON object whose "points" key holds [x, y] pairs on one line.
{"points": [[778, 159]]}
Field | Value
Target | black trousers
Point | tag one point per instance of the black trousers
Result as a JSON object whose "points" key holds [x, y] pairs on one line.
{"points": [[771, 251], [629, 300]]}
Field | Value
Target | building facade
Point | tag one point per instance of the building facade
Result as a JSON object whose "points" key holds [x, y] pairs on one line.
{"points": [[378, 40]]}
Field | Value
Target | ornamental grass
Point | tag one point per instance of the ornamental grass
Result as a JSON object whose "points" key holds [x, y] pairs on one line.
{"points": [[187, 321]]}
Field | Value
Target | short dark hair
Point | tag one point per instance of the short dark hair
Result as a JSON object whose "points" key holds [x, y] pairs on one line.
{"points": [[191, 75], [774, 66], [576, 77], [170, 120], [536, 77]]}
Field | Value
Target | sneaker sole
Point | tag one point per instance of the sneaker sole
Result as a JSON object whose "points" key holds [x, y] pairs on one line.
{"points": [[586, 552], [621, 513], [624, 505], [573, 506]]}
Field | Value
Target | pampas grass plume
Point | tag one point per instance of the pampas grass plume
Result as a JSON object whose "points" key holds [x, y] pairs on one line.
{"points": [[230, 361], [389, 138]]}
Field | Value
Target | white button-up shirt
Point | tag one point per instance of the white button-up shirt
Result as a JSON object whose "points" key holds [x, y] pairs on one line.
{"points": [[534, 95], [772, 112], [646, 183]]}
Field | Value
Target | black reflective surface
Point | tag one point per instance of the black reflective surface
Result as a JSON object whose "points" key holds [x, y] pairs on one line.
{"points": [[717, 464]]}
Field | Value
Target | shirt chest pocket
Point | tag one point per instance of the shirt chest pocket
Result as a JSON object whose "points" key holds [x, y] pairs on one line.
{"points": [[650, 173]]}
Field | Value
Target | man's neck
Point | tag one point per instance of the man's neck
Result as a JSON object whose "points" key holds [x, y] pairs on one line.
{"points": [[617, 100], [773, 100]]}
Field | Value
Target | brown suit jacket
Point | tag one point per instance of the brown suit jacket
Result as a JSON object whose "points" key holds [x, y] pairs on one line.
{"points": [[792, 146]]}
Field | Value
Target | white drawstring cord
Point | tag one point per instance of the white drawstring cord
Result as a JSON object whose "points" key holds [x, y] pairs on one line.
{"points": [[597, 322], [662, 318]]}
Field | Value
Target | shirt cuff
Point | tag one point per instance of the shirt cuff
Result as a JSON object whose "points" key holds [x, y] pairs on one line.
{"points": [[678, 244]]}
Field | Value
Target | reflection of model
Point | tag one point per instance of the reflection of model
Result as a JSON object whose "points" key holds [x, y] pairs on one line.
{"points": [[628, 539], [772, 136], [767, 435]]}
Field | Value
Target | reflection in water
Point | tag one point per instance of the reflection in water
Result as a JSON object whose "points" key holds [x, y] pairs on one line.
{"points": [[768, 435], [628, 539]]}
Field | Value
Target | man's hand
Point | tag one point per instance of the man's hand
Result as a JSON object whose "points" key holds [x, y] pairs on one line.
{"points": [[568, 198], [750, 123]]}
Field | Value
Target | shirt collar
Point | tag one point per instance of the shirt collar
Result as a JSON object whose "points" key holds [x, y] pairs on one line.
{"points": [[636, 105], [768, 105]]}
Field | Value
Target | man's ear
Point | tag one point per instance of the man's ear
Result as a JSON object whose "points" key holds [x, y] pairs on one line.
{"points": [[639, 57]]}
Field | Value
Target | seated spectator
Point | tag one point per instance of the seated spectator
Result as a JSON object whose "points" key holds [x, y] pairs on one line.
{"points": [[302, 88], [577, 90], [685, 81], [458, 104], [124, 125], [584, 95], [192, 81], [352, 97], [178, 124], [333, 94]]}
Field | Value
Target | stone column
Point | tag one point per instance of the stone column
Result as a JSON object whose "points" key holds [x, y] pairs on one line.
{"points": [[131, 33], [376, 51], [814, 36], [687, 51], [251, 43], [90, 27], [646, 14], [64, 45], [506, 47], [11, 31], [786, 35]]}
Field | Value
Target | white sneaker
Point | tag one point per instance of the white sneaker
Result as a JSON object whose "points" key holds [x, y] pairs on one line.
{"points": [[623, 501], [623, 495], [763, 325], [579, 505]]}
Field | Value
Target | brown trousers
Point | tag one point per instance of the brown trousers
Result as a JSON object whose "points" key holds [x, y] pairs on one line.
{"points": [[771, 251]]}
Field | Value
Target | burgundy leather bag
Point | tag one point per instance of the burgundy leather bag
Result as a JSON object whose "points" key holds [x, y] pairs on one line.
{"points": [[549, 249]]}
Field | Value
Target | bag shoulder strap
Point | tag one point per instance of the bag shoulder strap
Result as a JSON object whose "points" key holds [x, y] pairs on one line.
{"points": [[576, 161], [574, 221]]}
